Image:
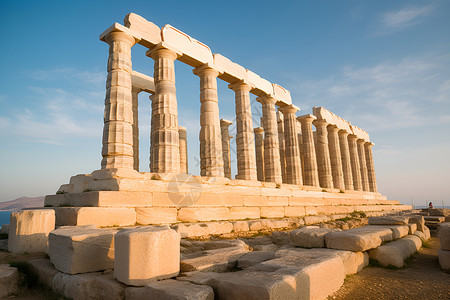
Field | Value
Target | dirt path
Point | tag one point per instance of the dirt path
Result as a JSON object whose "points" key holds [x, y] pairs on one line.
{"points": [[421, 279]]}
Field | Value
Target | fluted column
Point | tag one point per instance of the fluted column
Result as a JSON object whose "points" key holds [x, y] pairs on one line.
{"points": [[183, 149], [259, 150], [226, 147], [210, 140], [346, 161], [165, 138], [245, 144], [363, 165], [354, 159], [310, 172], [272, 163], [281, 141], [135, 107], [370, 167], [292, 151], [117, 150], [323, 154], [335, 157]]}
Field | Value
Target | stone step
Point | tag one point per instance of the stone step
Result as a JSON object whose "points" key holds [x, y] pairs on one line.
{"points": [[98, 216], [438, 219], [395, 253], [398, 231], [358, 239], [389, 220]]}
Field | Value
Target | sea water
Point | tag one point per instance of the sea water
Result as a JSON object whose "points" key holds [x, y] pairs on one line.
{"points": [[4, 216]]}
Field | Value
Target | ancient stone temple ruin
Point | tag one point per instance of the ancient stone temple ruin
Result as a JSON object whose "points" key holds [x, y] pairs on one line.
{"points": [[291, 171]]}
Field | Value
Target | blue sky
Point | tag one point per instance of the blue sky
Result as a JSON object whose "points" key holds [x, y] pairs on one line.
{"points": [[382, 65]]}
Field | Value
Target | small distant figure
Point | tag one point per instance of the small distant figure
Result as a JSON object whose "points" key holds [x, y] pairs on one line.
{"points": [[430, 205]]}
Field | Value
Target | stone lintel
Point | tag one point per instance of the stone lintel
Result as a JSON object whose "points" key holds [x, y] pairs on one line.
{"points": [[120, 28], [164, 45], [142, 82], [307, 117]]}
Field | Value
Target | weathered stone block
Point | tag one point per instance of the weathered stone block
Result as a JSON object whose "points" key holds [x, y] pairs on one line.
{"points": [[308, 237], [412, 228], [395, 253], [419, 221], [156, 215], [9, 280], [82, 249], [388, 220], [444, 259], [398, 231], [438, 219], [29, 230], [98, 216], [358, 239], [241, 213], [444, 236], [272, 212], [240, 226], [309, 220], [294, 211], [203, 214], [44, 270], [253, 258], [146, 254], [171, 290]]}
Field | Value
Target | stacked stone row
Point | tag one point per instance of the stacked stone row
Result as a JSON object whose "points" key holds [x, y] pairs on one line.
{"points": [[327, 158]]}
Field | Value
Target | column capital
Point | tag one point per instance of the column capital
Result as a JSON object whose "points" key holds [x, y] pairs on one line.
{"points": [[352, 137], [309, 118], [361, 141], [343, 132], [224, 123], [117, 31], [240, 85], [333, 128], [266, 99], [163, 50], [258, 130], [206, 69], [289, 109], [320, 123], [369, 144]]}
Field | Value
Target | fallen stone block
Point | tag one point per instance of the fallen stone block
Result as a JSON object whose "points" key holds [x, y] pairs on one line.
{"points": [[309, 220], [438, 219], [421, 235], [44, 270], [82, 249], [9, 280], [358, 239], [395, 253], [419, 221], [426, 232], [253, 258], [89, 286], [444, 212], [412, 228], [398, 231], [98, 216], [280, 237], [171, 290], [146, 254], [29, 230], [308, 237], [444, 236], [444, 259], [240, 226], [432, 225], [388, 220], [203, 229], [353, 262]]}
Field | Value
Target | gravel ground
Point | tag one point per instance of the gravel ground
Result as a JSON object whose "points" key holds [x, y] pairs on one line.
{"points": [[422, 278]]}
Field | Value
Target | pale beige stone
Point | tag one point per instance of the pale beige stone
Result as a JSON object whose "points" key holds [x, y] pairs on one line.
{"points": [[202, 214], [363, 164], [370, 167], [292, 151], [253, 258], [135, 126], [240, 226], [421, 235], [245, 143], [231, 71], [418, 220], [294, 211], [183, 150], [281, 143], [444, 236], [354, 162], [358, 239], [316, 219], [261, 85], [98, 216], [389, 220], [150, 33], [259, 151], [44, 270], [398, 231], [224, 124], [171, 290], [237, 213], [444, 259], [323, 154], [9, 280], [211, 160], [309, 160], [272, 212], [309, 237], [412, 228], [335, 157], [81, 249], [146, 254], [395, 253], [156, 215], [281, 94], [346, 161], [29, 230]]}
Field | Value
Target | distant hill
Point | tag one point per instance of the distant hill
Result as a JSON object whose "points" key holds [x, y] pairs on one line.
{"points": [[22, 202]]}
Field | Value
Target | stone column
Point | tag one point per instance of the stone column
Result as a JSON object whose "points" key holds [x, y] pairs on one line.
{"points": [[272, 163], [226, 137], [117, 150], [335, 157], [135, 107], [165, 138], [323, 154], [354, 159], [310, 173], [370, 167], [363, 165], [259, 149], [281, 141], [183, 150], [245, 144], [346, 161], [292, 151], [210, 140]]}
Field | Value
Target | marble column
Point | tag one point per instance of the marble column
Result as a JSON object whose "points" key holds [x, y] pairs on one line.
{"points": [[259, 150], [165, 138], [335, 157], [363, 165], [245, 144], [226, 137], [135, 107], [370, 167], [183, 149], [310, 172], [354, 160], [292, 151], [323, 154], [210, 136], [346, 161], [117, 150], [272, 163], [281, 141]]}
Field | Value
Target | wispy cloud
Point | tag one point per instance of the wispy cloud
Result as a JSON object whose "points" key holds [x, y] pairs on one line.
{"points": [[395, 20], [92, 76]]}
